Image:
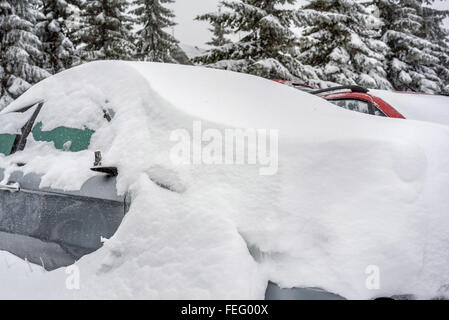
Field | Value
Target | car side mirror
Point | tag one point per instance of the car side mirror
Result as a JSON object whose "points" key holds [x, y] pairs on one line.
{"points": [[110, 171]]}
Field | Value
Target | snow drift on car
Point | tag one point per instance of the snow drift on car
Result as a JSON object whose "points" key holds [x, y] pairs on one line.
{"points": [[352, 191]]}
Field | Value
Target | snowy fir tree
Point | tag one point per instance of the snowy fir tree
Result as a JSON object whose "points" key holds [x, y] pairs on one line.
{"points": [[268, 47], [153, 42], [54, 33], [218, 31], [341, 40], [418, 60], [439, 36], [106, 31], [20, 49], [74, 23]]}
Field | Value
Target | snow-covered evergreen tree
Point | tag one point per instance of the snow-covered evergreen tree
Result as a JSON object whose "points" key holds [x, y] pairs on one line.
{"points": [[268, 47], [106, 31], [439, 36], [218, 31], [20, 49], [153, 42], [340, 39], [54, 33], [419, 55], [75, 23]]}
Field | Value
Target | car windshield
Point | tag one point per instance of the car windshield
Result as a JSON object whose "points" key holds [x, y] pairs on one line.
{"points": [[353, 105], [63, 138], [358, 106]]}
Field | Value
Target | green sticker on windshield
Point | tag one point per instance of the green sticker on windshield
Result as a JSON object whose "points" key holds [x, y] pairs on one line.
{"points": [[67, 139]]}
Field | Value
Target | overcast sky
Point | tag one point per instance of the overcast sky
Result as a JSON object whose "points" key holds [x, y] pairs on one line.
{"points": [[196, 33]]}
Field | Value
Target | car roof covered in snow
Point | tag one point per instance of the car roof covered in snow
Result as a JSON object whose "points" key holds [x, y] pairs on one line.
{"points": [[229, 98]]}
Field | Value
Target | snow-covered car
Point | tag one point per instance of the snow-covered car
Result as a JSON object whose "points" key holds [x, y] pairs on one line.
{"points": [[359, 99], [322, 197], [401, 105], [391, 104]]}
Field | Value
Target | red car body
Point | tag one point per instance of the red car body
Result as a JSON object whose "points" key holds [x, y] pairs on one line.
{"points": [[383, 106]]}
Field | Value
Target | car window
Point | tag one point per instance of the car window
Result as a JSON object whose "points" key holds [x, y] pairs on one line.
{"points": [[359, 106], [377, 111], [63, 138], [353, 105]]}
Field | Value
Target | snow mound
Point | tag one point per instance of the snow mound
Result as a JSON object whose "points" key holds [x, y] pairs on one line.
{"points": [[352, 191]]}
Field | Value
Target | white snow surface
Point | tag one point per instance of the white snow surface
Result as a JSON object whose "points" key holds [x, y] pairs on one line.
{"points": [[423, 107], [352, 191], [13, 122]]}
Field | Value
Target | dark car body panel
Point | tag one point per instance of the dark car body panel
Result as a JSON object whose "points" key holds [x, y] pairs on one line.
{"points": [[54, 228], [274, 292]]}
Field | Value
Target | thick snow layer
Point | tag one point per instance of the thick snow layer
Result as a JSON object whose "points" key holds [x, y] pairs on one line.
{"points": [[352, 191], [423, 107]]}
